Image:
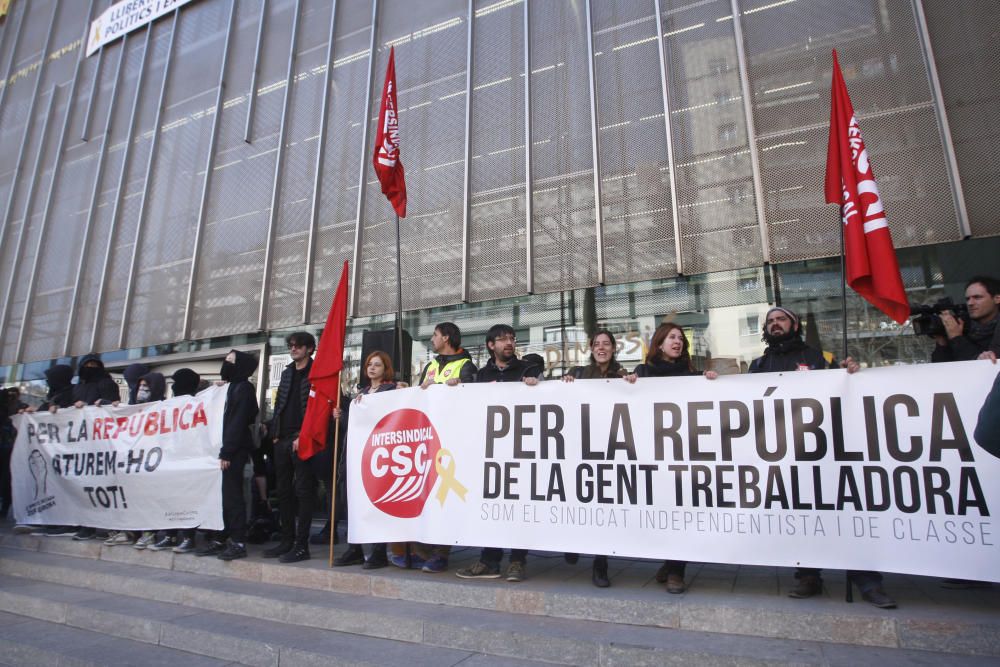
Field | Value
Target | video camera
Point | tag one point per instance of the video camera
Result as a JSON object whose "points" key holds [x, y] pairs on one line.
{"points": [[927, 318]]}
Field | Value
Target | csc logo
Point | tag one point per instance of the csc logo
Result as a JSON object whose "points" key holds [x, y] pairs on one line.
{"points": [[398, 468]]}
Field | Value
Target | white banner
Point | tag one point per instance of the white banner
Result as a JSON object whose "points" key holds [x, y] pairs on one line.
{"points": [[126, 16], [876, 470], [140, 467]]}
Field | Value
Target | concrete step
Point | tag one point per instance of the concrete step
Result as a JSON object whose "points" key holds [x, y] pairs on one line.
{"points": [[391, 603], [245, 640]]}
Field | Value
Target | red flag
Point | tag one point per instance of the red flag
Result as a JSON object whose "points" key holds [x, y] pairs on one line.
{"points": [[870, 258], [388, 166], [325, 376]]}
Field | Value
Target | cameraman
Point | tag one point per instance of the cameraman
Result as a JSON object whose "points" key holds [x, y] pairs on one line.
{"points": [[965, 341]]}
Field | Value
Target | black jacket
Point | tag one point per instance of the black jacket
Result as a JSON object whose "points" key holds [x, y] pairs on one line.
{"points": [[975, 339], [515, 371], [284, 389], [660, 368], [157, 386], [789, 355], [132, 374], [466, 374], [593, 372], [241, 409], [60, 381], [101, 388]]}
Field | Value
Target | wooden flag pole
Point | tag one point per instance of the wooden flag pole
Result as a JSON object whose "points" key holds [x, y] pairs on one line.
{"points": [[333, 477]]}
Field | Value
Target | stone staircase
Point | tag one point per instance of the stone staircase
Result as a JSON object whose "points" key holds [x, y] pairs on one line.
{"points": [[81, 603]]}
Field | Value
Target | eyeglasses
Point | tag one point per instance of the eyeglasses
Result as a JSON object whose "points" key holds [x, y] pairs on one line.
{"points": [[505, 338]]}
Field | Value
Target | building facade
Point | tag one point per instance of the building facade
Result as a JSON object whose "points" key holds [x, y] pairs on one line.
{"points": [[570, 164]]}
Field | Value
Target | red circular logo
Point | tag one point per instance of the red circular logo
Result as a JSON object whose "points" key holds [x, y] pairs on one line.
{"points": [[398, 468]]}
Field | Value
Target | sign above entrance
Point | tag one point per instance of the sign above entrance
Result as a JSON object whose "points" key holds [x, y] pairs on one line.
{"points": [[126, 16]]}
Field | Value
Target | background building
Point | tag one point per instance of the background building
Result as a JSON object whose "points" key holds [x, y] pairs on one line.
{"points": [[198, 183]]}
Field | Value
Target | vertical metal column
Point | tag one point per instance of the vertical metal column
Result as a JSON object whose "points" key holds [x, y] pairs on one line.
{"points": [[19, 162], [120, 192], [209, 165], [85, 131], [272, 219], [592, 86], [954, 176], [758, 188], [154, 143], [468, 156], [94, 195], [252, 92], [674, 208], [36, 172], [529, 232], [60, 149], [355, 292], [318, 177], [13, 55]]}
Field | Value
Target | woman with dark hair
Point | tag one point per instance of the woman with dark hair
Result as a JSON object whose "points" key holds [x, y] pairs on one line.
{"points": [[668, 356], [603, 365], [378, 369]]}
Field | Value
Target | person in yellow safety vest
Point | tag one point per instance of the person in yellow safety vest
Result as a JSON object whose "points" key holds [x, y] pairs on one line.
{"points": [[451, 366]]}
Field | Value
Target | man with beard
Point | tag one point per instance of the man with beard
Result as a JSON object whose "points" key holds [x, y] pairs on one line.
{"points": [[503, 366], [980, 337], [786, 351]]}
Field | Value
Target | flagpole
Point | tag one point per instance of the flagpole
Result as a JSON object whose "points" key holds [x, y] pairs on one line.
{"points": [[333, 477], [843, 287], [398, 344]]}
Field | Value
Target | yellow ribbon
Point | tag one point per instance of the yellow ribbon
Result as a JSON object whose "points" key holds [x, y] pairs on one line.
{"points": [[447, 475]]}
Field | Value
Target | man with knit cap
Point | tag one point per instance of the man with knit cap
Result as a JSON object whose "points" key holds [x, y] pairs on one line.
{"points": [[786, 351]]}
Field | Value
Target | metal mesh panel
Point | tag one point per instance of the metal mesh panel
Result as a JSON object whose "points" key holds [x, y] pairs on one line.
{"points": [[635, 185], [339, 186], [964, 38], [430, 65], [227, 287], [713, 174], [497, 240], [562, 188], [295, 183], [884, 68], [90, 279], [123, 243], [160, 288]]}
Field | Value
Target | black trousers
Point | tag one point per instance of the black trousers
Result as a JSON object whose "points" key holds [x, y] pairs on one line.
{"points": [[234, 506], [296, 487], [493, 555], [5, 491]]}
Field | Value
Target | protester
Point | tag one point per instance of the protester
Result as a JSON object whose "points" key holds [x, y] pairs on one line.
{"points": [[295, 477], [150, 388], [132, 374], [240, 412], [603, 364], [380, 374], [7, 437], [785, 352], [60, 388], [965, 341], [668, 356], [95, 386], [503, 366]]}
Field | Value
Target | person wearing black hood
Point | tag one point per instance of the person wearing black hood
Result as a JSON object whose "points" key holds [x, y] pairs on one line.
{"points": [[132, 374], [60, 394], [151, 388], [95, 386], [240, 412], [7, 437], [786, 351]]}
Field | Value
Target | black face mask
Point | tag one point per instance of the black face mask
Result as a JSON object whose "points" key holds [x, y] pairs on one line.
{"points": [[228, 371], [90, 373]]}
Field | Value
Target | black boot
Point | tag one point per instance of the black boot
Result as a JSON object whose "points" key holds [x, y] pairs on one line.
{"points": [[600, 574], [353, 556], [298, 553]]}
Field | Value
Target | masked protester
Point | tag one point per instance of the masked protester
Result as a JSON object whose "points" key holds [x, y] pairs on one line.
{"points": [[95, 386], [132, 374], [240, 413], [60, 381], [152, 387]]}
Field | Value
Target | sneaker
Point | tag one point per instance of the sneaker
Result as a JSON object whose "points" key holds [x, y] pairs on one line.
{"points": [[353, 556], [296, 555], [416, 562], [167, 542], [377, 560], [213, 548], [479, 570], [185, 547], [878, 597], [280, 549], [435, 565], [23, 529], [85, 534], [675, 584], [60, 531], [118, 538], [515, 571], [808, 585], [146, 539], [233, 551]]}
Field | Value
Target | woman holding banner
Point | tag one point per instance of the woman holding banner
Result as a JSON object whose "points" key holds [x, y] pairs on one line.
{"points": [[378, 369], [603, 364], [668, 356]]}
